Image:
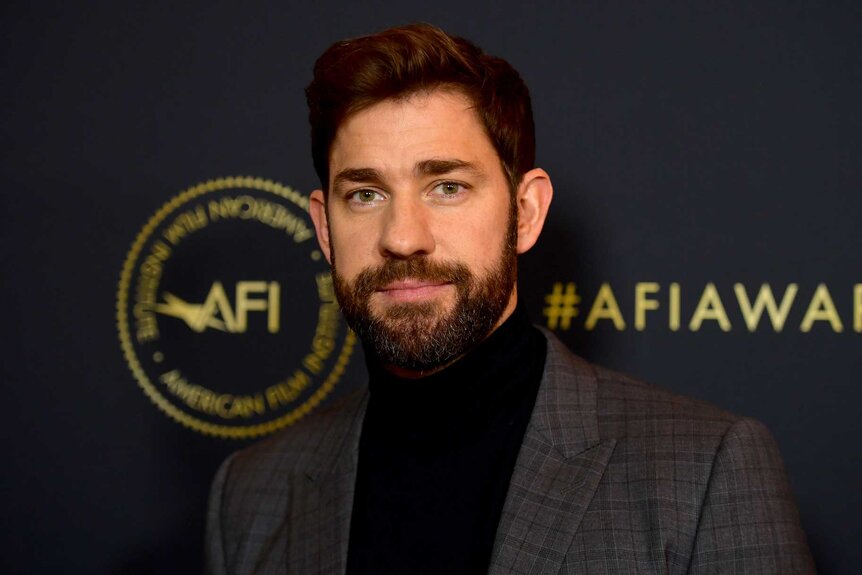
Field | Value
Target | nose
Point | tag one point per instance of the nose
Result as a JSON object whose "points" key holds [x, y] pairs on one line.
{"points": [[406, 230]]}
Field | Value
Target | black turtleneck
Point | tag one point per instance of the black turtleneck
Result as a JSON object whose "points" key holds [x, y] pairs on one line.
{"points": [[436, 455]]}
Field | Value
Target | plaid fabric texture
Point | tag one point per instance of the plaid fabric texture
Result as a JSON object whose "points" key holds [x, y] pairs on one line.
{"points": [[614, 476]]}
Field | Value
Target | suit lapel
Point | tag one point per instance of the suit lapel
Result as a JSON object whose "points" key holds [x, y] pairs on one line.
{"points": [[558, 469], [322, 500]]}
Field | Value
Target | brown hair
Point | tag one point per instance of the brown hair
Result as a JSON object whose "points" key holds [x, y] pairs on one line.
{"points": [[355, 74]]}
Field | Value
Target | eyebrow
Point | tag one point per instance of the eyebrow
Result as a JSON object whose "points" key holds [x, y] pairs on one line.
{"points": [[442, 167], [357, 175], [433, 167]]}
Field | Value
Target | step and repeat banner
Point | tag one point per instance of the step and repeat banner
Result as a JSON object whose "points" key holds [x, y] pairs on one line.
{"points": [[166, 302]]}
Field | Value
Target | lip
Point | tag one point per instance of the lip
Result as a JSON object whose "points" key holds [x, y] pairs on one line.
{"points": [[412, 290]]}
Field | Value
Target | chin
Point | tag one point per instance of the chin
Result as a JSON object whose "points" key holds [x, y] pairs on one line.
{"points": [[436, 306]]}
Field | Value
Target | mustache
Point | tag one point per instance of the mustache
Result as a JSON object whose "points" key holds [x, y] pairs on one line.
{"points": [[420, 268]]}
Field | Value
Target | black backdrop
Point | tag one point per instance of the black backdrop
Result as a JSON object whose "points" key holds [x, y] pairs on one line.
{"points": [[689, 145]]}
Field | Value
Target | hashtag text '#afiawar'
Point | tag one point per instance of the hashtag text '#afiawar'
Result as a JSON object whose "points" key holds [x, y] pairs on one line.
{"points": [[759, 308]]}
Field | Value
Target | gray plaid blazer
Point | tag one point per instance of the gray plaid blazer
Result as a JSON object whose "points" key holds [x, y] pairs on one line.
{"points": [[613, 476]]}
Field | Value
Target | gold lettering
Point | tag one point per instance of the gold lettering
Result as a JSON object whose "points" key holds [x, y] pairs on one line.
{"points": [[224, 208], [765, 300], [185, 223], [160, 250], [244, 304], [246, 207], [642, 304], [857, 308], [673, 307], [274, 215], [248, 405], [323, 342], [284, 392], [273, 316], [216, 302], [228, 406], [216, 311], [170, 377], [325, 288], [146, 327], [223, 405], [709, 308], [313, 363], [605, 306], [821, 308]]}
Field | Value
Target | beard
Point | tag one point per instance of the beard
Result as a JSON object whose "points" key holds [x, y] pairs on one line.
{"points": [[421, 336]]}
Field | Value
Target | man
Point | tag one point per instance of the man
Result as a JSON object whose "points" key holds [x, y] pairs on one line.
{"points": [[481, 444]]}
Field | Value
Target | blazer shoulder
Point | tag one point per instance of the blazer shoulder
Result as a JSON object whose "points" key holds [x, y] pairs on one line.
{"points": [[304, 446], [252, 496], [619, 393], [629, 407]]}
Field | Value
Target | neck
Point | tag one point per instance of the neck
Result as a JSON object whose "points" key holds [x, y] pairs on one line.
{"points": [[493, 369]]}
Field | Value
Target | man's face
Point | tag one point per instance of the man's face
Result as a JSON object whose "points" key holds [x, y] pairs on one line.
{"points": [[421, 229]]}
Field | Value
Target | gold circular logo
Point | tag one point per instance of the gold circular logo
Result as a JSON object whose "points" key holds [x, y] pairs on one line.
{"points": [[226, 311]]}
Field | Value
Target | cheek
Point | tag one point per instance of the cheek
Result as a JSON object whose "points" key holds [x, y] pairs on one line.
{"points": [[475, 241], [352, 249]]}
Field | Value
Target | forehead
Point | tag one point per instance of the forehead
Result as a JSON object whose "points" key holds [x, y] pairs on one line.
{"points": [[398, 133]]}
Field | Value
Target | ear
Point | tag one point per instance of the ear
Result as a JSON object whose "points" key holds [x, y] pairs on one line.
{"points": [[533, 200], [317, 211]]}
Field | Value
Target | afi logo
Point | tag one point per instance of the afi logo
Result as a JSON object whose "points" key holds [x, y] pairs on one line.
{"points": [[217, 313]]}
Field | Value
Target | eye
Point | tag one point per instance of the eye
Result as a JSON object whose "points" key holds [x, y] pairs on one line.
{"points": [[449, 189], [365, 197]]}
